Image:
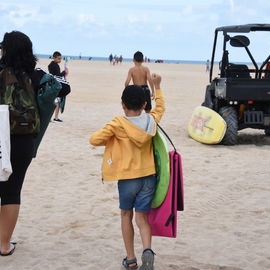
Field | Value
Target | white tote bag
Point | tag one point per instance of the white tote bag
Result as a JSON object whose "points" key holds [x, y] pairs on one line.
{"points": [[5, 165]]}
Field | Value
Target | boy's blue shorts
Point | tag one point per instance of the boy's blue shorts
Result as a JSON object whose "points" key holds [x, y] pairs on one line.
{"points": [[137, 193]]}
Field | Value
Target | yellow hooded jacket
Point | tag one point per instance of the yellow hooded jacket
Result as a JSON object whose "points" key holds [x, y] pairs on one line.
{"points": [[128, 148]]}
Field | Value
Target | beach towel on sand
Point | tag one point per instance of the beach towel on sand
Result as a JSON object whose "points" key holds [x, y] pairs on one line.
{"points": [[5, 165]]}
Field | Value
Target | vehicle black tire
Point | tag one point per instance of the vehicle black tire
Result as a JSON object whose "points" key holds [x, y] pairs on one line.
{"points": [[267, 131], [230, 116]]}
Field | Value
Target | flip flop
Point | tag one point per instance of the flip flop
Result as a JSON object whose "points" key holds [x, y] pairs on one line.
{"points": [[11, 251]]}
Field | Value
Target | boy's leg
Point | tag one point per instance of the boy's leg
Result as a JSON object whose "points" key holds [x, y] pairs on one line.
{"points": [[146, 236], [127, 195], [142, 207], [145, 229], [57, 108], [128, 232]]}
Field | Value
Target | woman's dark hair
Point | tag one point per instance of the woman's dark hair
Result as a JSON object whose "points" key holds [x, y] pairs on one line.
{"points": [[17, 53], [133, 97]]}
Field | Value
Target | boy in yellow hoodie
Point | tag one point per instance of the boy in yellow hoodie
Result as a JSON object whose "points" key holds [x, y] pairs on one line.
{"points": [[129, 159]]}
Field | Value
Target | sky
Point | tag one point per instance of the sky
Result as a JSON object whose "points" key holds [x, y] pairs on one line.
{"points": [[161, 29]]}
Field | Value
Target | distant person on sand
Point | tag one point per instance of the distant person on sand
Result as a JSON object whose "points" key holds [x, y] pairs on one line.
{"points": [[54, 69], [114, 60], [129, 159], [120, 59], [140, 75], [110, 58], [207, 65]]}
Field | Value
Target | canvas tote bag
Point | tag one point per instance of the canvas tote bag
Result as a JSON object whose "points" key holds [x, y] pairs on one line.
{"points": [[5, 165]]}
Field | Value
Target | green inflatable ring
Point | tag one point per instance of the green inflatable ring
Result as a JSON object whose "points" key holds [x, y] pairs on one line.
{"points": [[162, 161]]}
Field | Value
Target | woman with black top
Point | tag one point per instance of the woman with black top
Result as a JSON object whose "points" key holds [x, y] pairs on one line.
{"points": [[17, 56]]}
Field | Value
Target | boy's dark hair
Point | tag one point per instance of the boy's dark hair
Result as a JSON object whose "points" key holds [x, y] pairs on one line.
{"points": [[133, 97], [138, 57], [56, 54]]}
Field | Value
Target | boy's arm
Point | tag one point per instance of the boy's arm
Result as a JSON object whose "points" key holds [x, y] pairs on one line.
{"points": [[129, 76], [159, 109], [101, 136], [63, 73], [150, 81]]}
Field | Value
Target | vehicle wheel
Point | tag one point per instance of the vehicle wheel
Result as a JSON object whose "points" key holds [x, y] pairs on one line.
{"points": [[267, 131], [230, 116]]}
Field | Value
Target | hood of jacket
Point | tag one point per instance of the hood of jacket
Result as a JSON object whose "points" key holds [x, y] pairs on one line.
{"points": [[139, 136]]}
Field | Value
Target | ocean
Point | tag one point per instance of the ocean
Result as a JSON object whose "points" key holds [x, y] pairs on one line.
{"points": [[125, 59]]}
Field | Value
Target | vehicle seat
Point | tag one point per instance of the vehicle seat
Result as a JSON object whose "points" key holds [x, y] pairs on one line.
{"points": [[237, 71]]}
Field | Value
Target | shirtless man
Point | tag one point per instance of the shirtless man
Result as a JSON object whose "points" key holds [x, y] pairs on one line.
{"points": [[140, 75]]}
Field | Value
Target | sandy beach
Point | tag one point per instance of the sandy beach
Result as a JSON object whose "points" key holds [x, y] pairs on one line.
{"points": [[70, 220]]}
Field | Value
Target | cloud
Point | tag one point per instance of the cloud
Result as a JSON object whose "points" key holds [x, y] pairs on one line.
{"points": [[84, 18], [187, 10], [21, 16], [232, 5], [137, 18], [18, 15], [158, 28]]}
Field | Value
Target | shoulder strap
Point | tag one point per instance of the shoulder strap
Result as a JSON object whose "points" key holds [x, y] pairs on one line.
{"points": [[169, 139]]}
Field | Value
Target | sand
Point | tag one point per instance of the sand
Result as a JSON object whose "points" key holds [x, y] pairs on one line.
{"points": [[70, 220]]}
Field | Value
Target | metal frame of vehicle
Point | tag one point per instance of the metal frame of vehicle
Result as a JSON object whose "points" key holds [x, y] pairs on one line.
{"points": [[243, 100]]}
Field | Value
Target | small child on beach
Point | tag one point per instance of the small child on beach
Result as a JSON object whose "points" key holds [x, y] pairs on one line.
{"points": [[129, 159], [140, 75]]}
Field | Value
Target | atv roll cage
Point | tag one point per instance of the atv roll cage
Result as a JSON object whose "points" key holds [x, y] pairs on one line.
{"points": [[238, 41]]}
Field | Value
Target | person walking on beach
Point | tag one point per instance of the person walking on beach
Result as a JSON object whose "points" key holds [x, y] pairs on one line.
{"points": [[110, 58], [140, 75], [129, 159], [207, 65], [54, 69], [120, 59], [18, 64]]}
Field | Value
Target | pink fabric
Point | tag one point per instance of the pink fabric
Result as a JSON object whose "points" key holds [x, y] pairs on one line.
{"points": [[180, 204], [163, 220]]}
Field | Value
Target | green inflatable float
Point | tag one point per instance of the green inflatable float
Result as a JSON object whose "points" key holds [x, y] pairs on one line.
{"points": [[162, 161]]}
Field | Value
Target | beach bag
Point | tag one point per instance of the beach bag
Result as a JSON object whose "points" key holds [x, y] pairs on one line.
{"points": [[163, 220], [48, 90], [5, 165], [23, 110], [65, 90]]}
